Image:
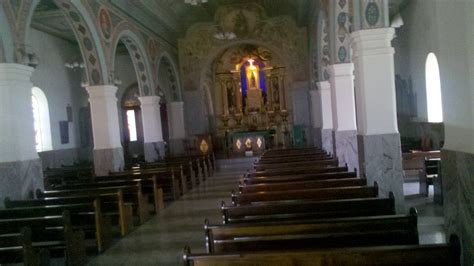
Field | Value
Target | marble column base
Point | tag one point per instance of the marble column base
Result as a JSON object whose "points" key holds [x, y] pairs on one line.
{"points": [[176, 147], [346, 148], [327, 140], [108, 160], [154, 151], [19, 180], [457, 173], [317, 141], [380, 160]]}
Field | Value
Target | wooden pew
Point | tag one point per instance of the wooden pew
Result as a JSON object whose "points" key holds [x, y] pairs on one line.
{"points": [[16, 248], [310, 184], [325, 162], [85, 216], [429, 255], [293, 158], [306, 194], [167, 179], [297, 170], [281, 211], [429, 173], [148, 187], [132, 194], [325, 233], [53, 233], [113, 205], [300, 177]]}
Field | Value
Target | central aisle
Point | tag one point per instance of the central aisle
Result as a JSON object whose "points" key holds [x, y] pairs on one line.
{"points": [[161, 240]]}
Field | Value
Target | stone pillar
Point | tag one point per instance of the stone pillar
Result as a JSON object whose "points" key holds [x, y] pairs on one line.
{"points": [[177, 131], [20, 167], [327, 140], [315, 105], [108, 151], [153, 145], [343, 114], [378, 137]]}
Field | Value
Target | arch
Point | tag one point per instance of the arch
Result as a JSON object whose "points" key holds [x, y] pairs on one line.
{"points": [[206, 65], [42, 124], [86, 35], [433, 89], [323, 53], [137, 53], [6, 39], [166, 56]]}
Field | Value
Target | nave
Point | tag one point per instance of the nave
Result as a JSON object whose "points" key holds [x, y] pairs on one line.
{"points": [[161, 240]]}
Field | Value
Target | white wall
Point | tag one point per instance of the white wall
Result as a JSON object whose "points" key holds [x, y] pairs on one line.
{"points": [[445, 28], [60, 84]]}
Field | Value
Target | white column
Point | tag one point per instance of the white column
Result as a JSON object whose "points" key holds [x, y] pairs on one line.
{"points": [[108, 152], [176, 125], [152, 129], [344, 114], [21, 170], [342, 96], [375, 81], [378, 137], [17, 138], [326, 116]]}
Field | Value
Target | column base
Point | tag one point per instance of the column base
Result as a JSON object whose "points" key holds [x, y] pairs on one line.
{"points": [[458, 199], [154, 151], [108, 160], [317, 141], [346, 148], [327, 140], [381, 160], [176, 147], [19, 180]]}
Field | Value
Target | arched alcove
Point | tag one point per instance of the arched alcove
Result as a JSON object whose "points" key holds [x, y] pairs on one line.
{"points": [[433, 89], [42, 124]]}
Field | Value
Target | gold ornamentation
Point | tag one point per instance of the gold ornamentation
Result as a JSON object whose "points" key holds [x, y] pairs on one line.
{"points": [[204, 147], [259, 142], [248, 143], [238, 143]]}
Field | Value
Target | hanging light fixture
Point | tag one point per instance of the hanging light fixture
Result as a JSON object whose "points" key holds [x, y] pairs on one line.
{"points": [[195, 2]]}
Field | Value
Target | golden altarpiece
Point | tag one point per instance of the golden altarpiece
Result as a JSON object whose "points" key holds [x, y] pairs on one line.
{"points": [[253, 100]]}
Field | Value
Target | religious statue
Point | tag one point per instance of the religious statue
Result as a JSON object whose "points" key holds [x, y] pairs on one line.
{"points": [[253, 83], [230, 95], [275, 90]]}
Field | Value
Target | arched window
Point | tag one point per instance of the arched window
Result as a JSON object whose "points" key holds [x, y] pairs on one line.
{"points": [[41, 120], [433, 90]]}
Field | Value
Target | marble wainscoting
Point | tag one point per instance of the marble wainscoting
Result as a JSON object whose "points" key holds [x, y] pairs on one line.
{"points": [[380, 160], [154, 151], [458, 199], [108, 160], [317, 138], [19, 179], [176, 146], [327, 140], [346, 148], [56, 158]]}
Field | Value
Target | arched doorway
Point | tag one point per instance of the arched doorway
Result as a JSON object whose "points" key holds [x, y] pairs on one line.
{"points": [[132, 132]]}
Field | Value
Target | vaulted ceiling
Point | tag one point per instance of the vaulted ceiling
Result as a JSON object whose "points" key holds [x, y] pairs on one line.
{"points": [[171, 18]]}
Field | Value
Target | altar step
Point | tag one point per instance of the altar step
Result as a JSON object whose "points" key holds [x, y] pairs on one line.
{"points": [[241, 163]]}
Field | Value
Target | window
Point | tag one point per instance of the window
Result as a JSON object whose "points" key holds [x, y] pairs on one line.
{"points": [[433, 90], [131, 125], [41, 122]]}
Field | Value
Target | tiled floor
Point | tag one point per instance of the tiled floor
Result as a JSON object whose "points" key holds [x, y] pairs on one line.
{"points": [[161, 240]]}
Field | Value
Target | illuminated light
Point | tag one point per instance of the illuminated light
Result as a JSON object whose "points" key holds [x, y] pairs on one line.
{"points": [[132, 126]]}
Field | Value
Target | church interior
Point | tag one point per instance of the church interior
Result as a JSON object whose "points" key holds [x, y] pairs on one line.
{"points": [[236, 132]]}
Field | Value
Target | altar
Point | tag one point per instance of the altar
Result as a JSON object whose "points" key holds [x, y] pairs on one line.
{"points": [[245, 142]]}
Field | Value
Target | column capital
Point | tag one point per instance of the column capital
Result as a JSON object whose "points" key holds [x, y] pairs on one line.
{"points": [[324, 85], [344, 69], [372, 42], [99, 91], [15, 72], [149, 100]]}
